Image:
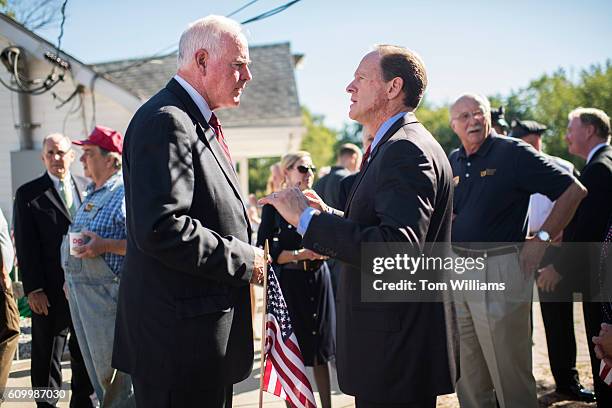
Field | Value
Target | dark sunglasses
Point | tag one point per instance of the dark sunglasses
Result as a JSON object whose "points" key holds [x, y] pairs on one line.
{"points": [[304, 169]]}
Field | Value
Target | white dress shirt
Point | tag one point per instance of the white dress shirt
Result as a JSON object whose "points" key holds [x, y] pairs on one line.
{"points": [[56, 184], [539, 205]]}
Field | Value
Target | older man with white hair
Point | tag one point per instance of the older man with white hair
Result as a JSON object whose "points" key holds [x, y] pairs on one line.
{"points": [[494, 177], [184, 329]]}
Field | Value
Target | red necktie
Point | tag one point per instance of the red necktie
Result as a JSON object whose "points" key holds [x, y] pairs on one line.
{"points": [[216, 125], [364, 160]]}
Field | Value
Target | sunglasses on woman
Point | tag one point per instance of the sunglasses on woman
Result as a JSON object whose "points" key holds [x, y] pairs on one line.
{"points": [[304, 169]]}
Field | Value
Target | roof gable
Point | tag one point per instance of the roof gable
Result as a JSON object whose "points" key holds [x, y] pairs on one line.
{"points": [[270, 99]]}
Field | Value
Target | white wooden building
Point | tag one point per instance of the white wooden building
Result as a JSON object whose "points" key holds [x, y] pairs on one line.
{"points": [[267, 123]]}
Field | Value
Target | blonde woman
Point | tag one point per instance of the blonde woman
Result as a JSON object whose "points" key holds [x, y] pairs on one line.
{"points": [[304, 278]]}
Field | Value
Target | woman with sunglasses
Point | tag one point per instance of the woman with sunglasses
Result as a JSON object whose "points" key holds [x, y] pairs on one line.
{"points": [[304, 278]]}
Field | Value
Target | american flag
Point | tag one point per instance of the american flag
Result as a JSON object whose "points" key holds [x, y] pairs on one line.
{"points": [[284, 372]]}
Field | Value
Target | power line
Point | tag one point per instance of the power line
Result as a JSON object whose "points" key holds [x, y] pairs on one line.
{"points": [[136, 64], [241, 8], [259, 17], [270, 13], [61, 33]]}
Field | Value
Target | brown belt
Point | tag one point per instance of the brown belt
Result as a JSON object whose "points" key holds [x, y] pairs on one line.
{"points": [[475, 253]]}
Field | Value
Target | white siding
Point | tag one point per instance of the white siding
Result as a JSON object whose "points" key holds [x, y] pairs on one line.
{"points": [[50, 119]]}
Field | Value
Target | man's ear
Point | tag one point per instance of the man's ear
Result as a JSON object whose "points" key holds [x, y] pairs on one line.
{"points": [[394, 87], [201, 59], [591, 131]]}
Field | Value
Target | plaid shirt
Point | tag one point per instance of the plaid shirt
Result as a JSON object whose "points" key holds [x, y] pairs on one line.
{"points": [[109, 222]]}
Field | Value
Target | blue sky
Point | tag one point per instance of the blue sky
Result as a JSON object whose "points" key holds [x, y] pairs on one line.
{"points": [[480, 46]]}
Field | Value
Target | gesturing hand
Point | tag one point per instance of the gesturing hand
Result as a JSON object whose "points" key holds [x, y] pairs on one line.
{"points": [[315, 201], [289, 203]]}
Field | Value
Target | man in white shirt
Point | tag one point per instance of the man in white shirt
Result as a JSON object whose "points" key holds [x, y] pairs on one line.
{"points": [[43, 210]]}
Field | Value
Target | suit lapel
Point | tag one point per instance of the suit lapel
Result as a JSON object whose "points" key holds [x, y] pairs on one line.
{"points": [[54, 197], [406, 119], [208, 137]]}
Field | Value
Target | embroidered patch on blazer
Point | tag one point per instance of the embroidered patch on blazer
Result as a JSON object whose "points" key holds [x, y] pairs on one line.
{"points": [[487, 172]]}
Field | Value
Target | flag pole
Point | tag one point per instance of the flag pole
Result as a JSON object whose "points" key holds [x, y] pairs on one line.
{"points": [[263, 322]]}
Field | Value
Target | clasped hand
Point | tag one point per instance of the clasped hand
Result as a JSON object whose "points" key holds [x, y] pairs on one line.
{"points": [[603, 343]]}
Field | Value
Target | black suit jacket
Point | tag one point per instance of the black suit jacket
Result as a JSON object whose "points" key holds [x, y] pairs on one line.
{"points": [[589, 224], [183, 317], [346, 185], [328, 187], [391, 352], [40, 221]]}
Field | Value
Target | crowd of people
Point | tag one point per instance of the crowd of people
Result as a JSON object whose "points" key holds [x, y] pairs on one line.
{"points": [[146, 268]]}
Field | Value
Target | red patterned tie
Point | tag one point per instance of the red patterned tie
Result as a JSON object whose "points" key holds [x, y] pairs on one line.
{"points": [[364, 160], [216, 125]]}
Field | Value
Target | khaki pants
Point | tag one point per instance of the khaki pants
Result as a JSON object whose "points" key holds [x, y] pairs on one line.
{"points": [[495, 341], [9, 335]]}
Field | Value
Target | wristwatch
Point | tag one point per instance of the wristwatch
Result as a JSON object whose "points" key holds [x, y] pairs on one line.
{"points": [[543, 236], [296, 253]]}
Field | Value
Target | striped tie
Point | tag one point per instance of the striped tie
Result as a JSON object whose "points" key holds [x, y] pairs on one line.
{"points": [[366, 155]]}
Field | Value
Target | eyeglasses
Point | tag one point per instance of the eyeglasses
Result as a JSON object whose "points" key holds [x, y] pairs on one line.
{"points": [[304, 169], [465, 116]]}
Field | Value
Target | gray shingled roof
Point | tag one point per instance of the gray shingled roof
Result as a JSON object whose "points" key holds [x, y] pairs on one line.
{"points": [[270, 99]]}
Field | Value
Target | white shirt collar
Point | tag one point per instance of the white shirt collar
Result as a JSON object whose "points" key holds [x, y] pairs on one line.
{"points": [[56, 185], [56, 180], [594, 150], [197, 98]]}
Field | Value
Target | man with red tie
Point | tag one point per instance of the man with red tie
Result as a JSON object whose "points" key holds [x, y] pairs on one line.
{"points": [[389, 354], [183, 329]]}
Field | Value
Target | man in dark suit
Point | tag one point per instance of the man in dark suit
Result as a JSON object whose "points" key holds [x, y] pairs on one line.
{"points": [[349, 157], [43, 210], [329, 189], [183, 328], [389, 354], [588, 137], [558, 316]]}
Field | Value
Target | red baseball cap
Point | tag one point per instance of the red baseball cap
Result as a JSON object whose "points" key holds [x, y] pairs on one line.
{"points": [[106, 138]]}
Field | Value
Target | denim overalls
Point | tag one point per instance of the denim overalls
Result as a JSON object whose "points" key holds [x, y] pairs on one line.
{"points": [[93, 290]]}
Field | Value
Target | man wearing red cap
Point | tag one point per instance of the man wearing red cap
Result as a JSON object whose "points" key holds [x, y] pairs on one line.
{"points": [[93, 270], [184, 328]]}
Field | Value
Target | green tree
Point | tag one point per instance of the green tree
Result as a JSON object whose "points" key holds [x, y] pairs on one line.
{"points": [[259, 172], [436, 120], [319, 139], [549, 99]]}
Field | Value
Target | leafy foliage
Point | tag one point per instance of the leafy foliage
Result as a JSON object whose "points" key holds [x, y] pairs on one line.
{"points": [[319, 140], [547, 99]]}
